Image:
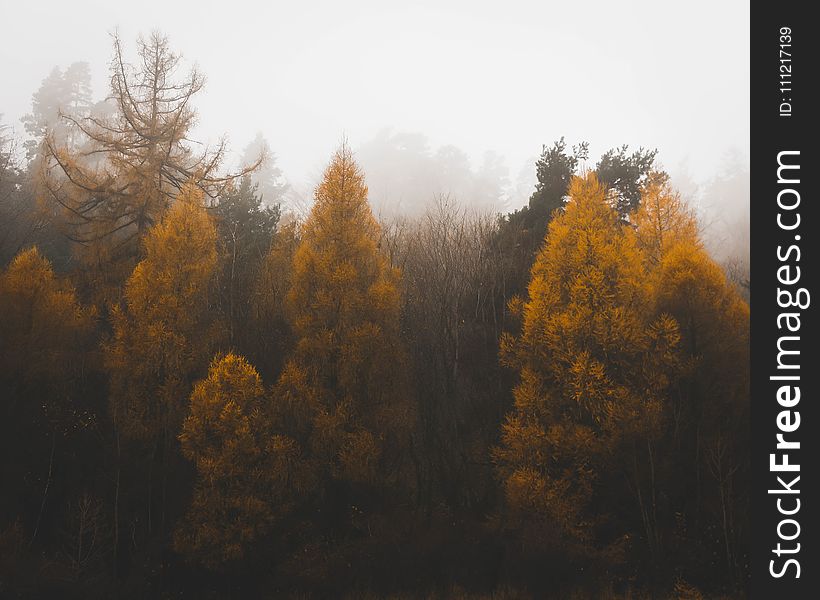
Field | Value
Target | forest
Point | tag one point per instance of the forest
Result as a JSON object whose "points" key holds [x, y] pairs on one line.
{"points": [[204, 395]]}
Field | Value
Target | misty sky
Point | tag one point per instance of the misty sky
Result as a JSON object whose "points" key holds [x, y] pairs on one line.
{"points": [[503, 76]]}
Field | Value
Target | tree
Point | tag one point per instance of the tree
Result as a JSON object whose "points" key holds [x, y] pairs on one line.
{"points": [[490, 179], [726, 202], [134, 163], [22, 222], [710, 441], [401, 172], [61, 92], [522, 232], [452, 280], [6, 149], [270, 185], [405, 175], [246, 475], [272, 340], [42, 322], [16, 220], [45, 342], [554, 171], [347, 373], [595, 368], [624, 174], [246, 230], [164, 331]]}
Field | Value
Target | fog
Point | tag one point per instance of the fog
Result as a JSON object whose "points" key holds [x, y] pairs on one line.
{"points": [[294, 303], [436, 97]]}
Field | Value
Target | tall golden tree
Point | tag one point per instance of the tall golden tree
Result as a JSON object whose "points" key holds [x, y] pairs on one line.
{"points": [[164, 331], [595, 367], [246, 475], [346, 381]]}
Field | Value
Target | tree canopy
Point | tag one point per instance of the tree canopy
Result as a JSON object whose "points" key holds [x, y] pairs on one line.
{"points": [[204, 393]]}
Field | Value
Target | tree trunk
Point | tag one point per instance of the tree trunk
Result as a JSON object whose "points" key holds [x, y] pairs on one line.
{"points": [[48, 484]]}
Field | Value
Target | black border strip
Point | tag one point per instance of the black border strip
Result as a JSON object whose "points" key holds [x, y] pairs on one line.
{"points": [[772, 133]]}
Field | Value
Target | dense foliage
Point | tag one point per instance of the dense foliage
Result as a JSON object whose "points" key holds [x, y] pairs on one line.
{"points": [[202, 395]]}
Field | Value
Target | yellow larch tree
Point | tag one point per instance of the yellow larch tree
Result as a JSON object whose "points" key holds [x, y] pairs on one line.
{"points": [[346, 383], [46, 345], [164, 332], [246, 475], [42, 324], [595, 367]]}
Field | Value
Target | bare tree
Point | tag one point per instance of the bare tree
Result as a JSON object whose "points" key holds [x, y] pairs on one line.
{"points": [[85, 544], [21, 221], [452, 292], [133, 163]]}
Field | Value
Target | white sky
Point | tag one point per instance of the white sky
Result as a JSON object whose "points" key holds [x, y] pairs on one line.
{"points": [[504, 76]]}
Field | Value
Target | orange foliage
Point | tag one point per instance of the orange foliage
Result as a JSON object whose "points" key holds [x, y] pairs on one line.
{"points": [[246, 475], [346, 382], [595, 364], [164, 332], [43, 327]]}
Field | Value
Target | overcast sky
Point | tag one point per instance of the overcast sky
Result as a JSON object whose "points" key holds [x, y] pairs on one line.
{"points": [[503, 76]]}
